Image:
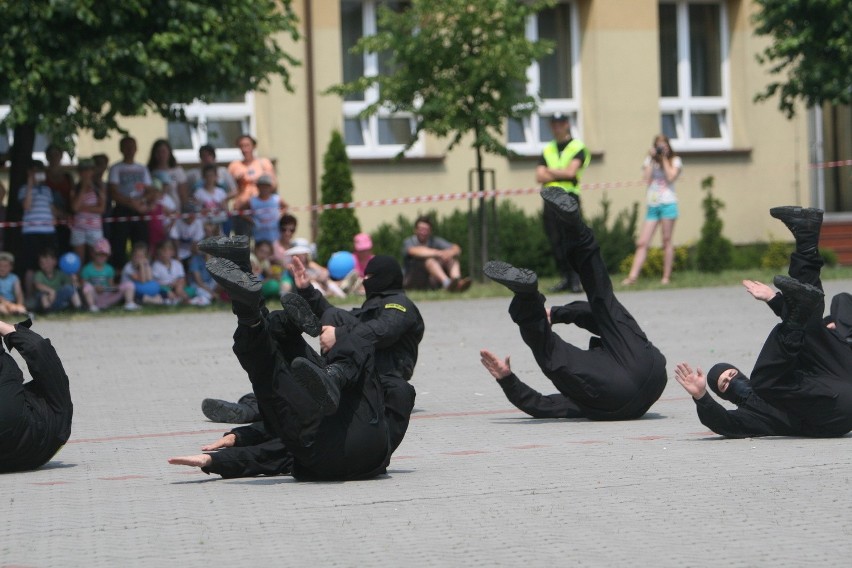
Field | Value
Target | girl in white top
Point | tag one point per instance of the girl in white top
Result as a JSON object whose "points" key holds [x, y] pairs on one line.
{"points": [[660, 170]]}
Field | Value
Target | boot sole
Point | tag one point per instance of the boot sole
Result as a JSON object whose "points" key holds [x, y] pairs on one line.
{"points": [[241, 286], [563, 203], [794, 289], [223, 411], [517, 280], [300, 314], [238, 253], [307, 377]]}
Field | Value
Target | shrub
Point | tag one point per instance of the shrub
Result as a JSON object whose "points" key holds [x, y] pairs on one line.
{"points": [[617, 242], [336, 226], [777, 255], [654, 262], [713, 252]]}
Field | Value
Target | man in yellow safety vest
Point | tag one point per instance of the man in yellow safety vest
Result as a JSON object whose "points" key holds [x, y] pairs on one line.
{"points": [[562, 164]]}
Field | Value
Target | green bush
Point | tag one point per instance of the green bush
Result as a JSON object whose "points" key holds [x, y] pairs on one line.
{"points": [[713, 252], [748, 256], [777, 255], [829, 257], [654, 262], [336, 226], [617, 242]]}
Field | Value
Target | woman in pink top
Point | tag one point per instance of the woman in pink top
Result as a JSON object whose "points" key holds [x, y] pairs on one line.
{"points": [[246, 173], [87, 203]]}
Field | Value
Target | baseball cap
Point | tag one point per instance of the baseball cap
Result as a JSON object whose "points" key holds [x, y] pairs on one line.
{"points": [[362, 241], [558, 117]]}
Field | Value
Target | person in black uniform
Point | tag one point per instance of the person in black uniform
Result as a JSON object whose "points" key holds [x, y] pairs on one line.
{"points": [[395, 326], [35, 418], [802, 379], [621, 374]]}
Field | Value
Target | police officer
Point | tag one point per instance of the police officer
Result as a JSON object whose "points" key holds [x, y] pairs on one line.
{"points": [[561, 165], [35, 418]]}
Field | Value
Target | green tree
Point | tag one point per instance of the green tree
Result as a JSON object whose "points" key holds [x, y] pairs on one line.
{"points": [[336, 226], [74, 65], [458, 67], [811, 50]]}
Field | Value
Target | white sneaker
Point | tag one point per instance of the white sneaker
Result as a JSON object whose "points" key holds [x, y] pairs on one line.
{"points": [[132, 306], [94, 309]]}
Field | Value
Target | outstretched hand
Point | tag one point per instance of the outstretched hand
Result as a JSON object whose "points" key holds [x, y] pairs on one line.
{"points": [[498, 368], [300, 275], [694, 382], [759, 290], [226, 441], [200, 460]]}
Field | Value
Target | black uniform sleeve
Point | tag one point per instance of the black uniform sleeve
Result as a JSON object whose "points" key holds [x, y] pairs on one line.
{"points": [[739, 423], [268, 458], [776, 304], [536, 404], [394, 320], [251, 434]]}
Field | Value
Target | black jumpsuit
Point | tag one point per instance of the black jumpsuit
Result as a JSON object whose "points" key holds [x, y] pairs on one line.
{"points": [[807, 373], [35, 418], [621, 374]]}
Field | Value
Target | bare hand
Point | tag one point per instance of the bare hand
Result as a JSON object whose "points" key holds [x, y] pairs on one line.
{"points": [[6, 328], [226, 441], [831, 325], [694, 382], [200, 460], [498, 368], [300, 275], [548, 316], [327, 338], [759, 290]]}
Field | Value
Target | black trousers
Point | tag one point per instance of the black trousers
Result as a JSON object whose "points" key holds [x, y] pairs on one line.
{"points": [[622, 374], [350, 444], [35, 418], [560, 241], [123, 231], [807, 373]]}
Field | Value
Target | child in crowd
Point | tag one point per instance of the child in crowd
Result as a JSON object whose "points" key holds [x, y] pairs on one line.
{"points": [[276, 280], [161, 208], [353, 283], [213, 199], [206, 289], [266, 209], [55, 290], [169, 274], [186, 232], [87, 204], [137, 272], [99, 287], [317, 274], [11, 292], [39, 221]]}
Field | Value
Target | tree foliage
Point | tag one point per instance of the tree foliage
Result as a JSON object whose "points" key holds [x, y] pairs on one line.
{"points": [[457, 67], [811, 50], [336, 226], [71, 65]]}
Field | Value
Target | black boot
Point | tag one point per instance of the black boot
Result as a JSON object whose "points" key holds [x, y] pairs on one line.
{"points": [[565, 205], [801, 300], [236, 249], [229, 412], [300, 315], [518, 280], [322, 383], [804, 223], [244, 288]]}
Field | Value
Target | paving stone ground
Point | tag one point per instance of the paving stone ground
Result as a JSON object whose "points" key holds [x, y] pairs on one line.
{"points": [[474, 482]]}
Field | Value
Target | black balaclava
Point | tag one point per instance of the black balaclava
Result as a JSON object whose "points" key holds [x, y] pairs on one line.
{"points": [[738, 389], [841, 315], [384, 274]]}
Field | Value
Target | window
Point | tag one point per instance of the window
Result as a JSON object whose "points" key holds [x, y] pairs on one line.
{"points": [[218, 122], [553, 80], [385, 133], [694, 74]]}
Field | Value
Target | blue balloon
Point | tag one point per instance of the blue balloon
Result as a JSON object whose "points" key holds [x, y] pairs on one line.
{"points": [[149, 288], [340, 264], [69, 263]]}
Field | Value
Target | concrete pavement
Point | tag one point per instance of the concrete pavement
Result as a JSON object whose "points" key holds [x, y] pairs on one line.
{"points": [[474, 482]]}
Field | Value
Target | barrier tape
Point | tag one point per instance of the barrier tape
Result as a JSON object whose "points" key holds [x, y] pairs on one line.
{"points": [[384, 202]]}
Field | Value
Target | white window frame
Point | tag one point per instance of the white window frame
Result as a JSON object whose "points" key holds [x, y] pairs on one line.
{"points": [[370, 125], [199, 113], [533, 144], [685, 104]]}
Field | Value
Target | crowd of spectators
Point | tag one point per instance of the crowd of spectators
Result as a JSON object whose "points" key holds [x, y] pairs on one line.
{"points": [[126, 235]]}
